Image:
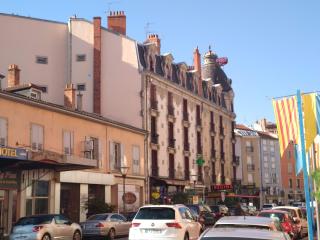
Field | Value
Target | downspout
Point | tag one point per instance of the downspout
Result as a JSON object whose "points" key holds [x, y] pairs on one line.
{"points": [[69, 77]]}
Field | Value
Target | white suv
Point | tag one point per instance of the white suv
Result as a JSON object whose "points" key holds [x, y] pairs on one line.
{"points": [[164, 222]]}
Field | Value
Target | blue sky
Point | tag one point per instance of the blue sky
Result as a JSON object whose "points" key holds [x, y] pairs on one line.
{"points": [[273, 46]]}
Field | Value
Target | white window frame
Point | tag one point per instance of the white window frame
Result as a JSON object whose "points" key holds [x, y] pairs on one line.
{"points": [[68, 142], [136, 159], [3, 131], [115, 164], [37, 137]]}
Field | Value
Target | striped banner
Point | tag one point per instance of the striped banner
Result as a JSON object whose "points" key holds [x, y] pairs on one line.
{"points": [[286, 115]]}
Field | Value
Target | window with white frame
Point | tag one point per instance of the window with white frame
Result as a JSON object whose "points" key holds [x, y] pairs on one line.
{"points": [[92, 148], [36, 137], [116, 155], [3, 132], [250, 178], [67, 142], [135, 159], [37, 195]]}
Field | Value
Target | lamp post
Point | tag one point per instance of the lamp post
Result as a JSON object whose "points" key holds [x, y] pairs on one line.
{"points": [[124, 170]]}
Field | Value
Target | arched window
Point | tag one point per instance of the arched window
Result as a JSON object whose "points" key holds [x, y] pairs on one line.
{"points": [[151, 65]]}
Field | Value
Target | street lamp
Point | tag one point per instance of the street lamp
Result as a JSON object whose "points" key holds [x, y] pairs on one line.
{"points": [[194, 177], [124, 170]]}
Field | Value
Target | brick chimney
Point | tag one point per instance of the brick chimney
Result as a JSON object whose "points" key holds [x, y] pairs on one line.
{"points": [[97, 65], [154, 38], [117, 22], [70, 96], [197, 67], [13, 75]]}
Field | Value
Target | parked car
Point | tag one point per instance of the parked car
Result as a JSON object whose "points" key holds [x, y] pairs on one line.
{"points": [[268, 206], [249, 222], [224, 209], [285, 220], [130, 215], [298, 218], [163, 222], [45, 227], [242, 234], [203, 213], [108, 225], [298, 204], [252, 210]]}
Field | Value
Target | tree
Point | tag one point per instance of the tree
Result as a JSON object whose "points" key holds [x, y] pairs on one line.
{"points": [[316, 178], [95, 206], [180, 198]]}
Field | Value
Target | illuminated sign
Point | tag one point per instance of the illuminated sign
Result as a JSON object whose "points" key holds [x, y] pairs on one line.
{"points": [[222, 187], [13, 153]]}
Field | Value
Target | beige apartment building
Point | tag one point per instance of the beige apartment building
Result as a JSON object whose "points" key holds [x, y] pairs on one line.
{"points": [[54, 158], [250, 161]]}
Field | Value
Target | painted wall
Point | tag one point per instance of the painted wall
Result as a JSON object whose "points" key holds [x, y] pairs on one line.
{"points": [[22, 39]]}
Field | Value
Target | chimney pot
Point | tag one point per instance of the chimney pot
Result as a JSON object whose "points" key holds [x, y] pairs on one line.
{"points": [[197, 67], [13, 75], [70, 96], [154, 38]]}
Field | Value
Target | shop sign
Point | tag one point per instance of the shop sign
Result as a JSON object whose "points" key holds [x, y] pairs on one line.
{"points": [[8, 180], [222, 187], [129, 198], [155, 195], [13, 153]]}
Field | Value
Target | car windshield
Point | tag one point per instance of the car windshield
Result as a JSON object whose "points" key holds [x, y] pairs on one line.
{"points": [[159, 213], [34, 220], [280, 216], [193, 209], [230, 225], [267, 206], [292, 211], [98, 217]]}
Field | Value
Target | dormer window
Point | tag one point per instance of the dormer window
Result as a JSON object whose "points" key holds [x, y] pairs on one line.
{"points": [[151, 65], [168, 72], [35, 94]]}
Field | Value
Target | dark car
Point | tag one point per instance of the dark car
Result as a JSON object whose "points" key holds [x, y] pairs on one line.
{"points": [[203, 214]]}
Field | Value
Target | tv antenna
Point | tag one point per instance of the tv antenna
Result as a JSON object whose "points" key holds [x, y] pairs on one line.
{"points": [[147, 28], [110, 3]]}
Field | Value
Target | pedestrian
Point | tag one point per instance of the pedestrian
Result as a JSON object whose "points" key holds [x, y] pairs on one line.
{"points": [[238, 210]]}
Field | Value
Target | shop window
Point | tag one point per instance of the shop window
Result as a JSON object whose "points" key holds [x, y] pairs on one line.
{"points": [[135, 160], [116, 155], [3, 132], [36, 137], [38, 201], [67, 142]]}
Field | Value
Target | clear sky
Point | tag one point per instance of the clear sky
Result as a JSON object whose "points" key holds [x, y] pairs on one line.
{"points": [[273, 46]]}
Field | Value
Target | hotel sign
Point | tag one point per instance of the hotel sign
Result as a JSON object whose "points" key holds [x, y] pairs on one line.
{"points": [[222, 187], [13, 153]]}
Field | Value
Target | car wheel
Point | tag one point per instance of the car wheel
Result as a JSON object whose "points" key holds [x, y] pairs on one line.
{"points": [[46, 237], [76, 235], [111, 234], [186, 236]]}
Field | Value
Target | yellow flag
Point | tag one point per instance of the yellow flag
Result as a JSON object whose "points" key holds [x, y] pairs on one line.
{"points": [[310, 120]]}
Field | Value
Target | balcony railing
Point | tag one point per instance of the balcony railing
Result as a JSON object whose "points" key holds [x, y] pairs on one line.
{"points": [[171, 110], [154, 138], [154, 104], [171, 142], [186, 146], [249, 148], [250, 167], [154, 171]]}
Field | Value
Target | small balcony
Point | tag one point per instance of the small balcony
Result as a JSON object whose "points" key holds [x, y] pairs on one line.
{"points": [[155, 171], [154, 104], [250, 167], [155, 138], [171, 142]]}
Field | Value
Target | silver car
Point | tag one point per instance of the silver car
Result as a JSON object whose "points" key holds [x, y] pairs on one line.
{"points": [[45, 227], [242, 234], [106, 224]]}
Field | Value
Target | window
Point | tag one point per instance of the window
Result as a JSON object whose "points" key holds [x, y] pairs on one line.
{"points": [[298, 183], [249, 160], [185, 213], [79, 101], [38, 201], [41, 60], [81, 57], [289, 168], [3, 132], [265, 158], [272, 149], [273, 165], [273, 159], [81, 87], [67, 142], [290, 183], [248, 143], [264, 148], [35, 94], [250, 178], [266, 165], [136, 159], [36, 137], [264, 141], [116, 155], [266, 175], [60, 219]]}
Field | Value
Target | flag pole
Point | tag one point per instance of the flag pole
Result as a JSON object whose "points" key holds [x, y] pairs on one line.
{"points": [[304, 165]]}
